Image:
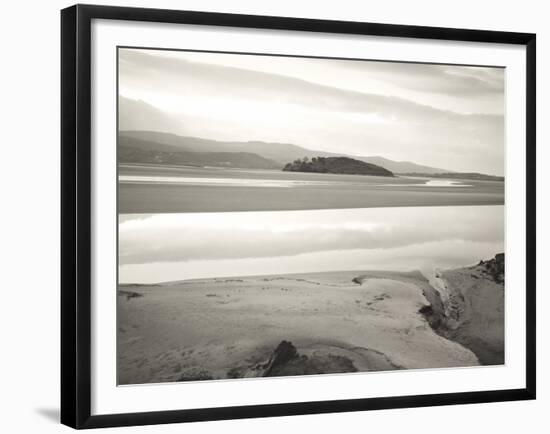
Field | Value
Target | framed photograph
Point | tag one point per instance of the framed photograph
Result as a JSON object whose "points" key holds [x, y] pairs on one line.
{"points": [[267, 216]]}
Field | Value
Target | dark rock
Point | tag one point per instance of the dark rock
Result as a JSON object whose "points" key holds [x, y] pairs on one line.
{"points": [[129, 294], [433, 317], [286, 360], [495, 268], [284, 352]]}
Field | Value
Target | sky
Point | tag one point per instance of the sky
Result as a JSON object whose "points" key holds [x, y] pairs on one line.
{"points": [[170, 247], [444, 116]]}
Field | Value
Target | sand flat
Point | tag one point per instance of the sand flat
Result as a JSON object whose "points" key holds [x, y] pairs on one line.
{"points": [[222, 328]]}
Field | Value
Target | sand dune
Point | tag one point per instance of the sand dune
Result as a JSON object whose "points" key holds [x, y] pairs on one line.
{"points": [[475, 312], [337, 321]]}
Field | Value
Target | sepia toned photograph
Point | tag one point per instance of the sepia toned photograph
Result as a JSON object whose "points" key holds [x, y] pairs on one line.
{"points": [[289, 216]]}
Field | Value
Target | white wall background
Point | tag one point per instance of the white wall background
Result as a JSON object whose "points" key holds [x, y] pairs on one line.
{"points": [[29, 237]]}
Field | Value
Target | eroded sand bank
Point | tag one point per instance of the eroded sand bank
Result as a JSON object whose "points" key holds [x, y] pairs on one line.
{"points": [[337, 321]]}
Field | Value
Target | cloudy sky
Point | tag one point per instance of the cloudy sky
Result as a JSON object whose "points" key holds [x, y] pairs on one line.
{"points": [[167, 247], [438, 115]]}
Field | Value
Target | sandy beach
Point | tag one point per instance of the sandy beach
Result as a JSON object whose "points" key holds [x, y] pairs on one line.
{"points": [[308, 324]]}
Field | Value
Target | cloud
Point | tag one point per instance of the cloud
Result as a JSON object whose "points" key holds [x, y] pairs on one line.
{"points": [[444, 79], [181, 75], [222, 102]]}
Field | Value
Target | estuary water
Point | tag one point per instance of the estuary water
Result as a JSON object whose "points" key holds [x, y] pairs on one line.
{"points": [[161, 189]]}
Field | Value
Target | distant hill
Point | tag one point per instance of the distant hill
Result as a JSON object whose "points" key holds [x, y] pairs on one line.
{"points": [[458, 175], [341, 165], [146, 152], [278, 152], [401, 167], [141, 120]]}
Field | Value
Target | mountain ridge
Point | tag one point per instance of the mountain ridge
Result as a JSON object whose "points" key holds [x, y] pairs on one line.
{"points": [[280, 153], [147, 152]]}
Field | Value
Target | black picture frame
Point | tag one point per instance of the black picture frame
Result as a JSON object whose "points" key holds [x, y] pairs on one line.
{"points": [[76, 215]]}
